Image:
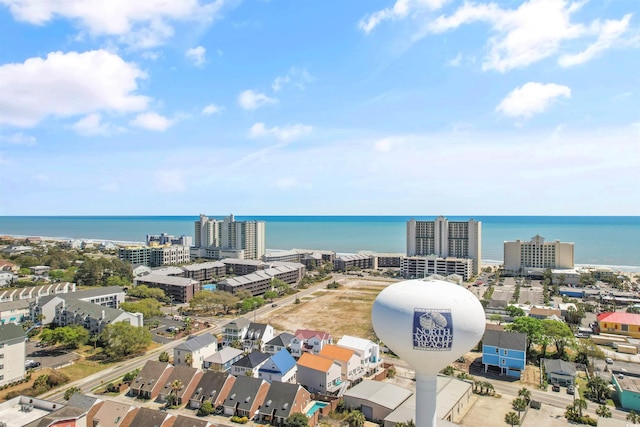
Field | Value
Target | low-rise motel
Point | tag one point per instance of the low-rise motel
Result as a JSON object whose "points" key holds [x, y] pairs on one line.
{"points": [[620, 323]]}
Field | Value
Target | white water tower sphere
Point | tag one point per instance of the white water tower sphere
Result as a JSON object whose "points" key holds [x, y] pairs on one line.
{"points": [[429, 324]]}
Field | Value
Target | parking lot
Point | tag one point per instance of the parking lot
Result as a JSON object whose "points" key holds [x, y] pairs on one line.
{"points": [[49, 357]]}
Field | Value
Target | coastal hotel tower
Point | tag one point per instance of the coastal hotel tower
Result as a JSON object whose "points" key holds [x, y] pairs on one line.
{"points": [[229, 238], [446, 239]]}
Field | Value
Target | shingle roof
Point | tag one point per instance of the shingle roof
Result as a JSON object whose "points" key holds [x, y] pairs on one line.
{"points": [[184, 374], [314, 362], [251, 360], [243, 392], [281, 362], [112, 413], [196, 342], [305, 334], [182, 421], [82, 401], [505, 339], [282, 340], [223, 356], [149, 418], [240, 323], [210, 385], [280, 399], [151, 371], [10, 332], [558, 366], [336, 353], [256, 331]]}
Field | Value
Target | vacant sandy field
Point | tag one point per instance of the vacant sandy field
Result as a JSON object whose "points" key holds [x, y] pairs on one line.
{"points": [[342, 311]]}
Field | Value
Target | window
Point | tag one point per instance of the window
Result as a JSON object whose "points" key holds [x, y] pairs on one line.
{"points": [[505, 352], [624, 328], [497, 351], [504, 362]]}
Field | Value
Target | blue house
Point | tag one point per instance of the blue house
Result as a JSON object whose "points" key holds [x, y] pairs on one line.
{"points": [[505, 350], [279, 367]]}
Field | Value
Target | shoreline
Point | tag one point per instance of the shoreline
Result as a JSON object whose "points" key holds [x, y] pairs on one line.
{"points": [[485, 262]]}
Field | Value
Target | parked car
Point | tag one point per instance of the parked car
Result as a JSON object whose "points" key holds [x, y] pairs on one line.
{"points": [[571, 389], [609, 361], [535, 404], [555, 387]]}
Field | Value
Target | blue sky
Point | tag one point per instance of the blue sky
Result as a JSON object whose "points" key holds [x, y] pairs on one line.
{"points": [[377, 107]]}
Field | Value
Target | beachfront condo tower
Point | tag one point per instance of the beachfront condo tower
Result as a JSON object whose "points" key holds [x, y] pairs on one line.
{"points": [[520, 257], [446, 239], [228, 238]]}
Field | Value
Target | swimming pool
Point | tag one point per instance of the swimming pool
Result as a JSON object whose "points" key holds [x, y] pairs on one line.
{"points": [[211, 287], [316, 405]]}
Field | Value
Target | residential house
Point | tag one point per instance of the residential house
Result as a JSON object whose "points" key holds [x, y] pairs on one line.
{"points": [[282, 341], [306, 340], [367, 350], [187, 377], [235, 330], [150, 380], [319, 374], [620, 323], [350, 363], [182, 421], [194, 350], [375, 399], [249, 364], [506, 351], [245, 397], [146, 417], [9, 266], [40, 270], [113, 414], [543, 313], [213, 387], [279, 367], [74, 413], [7, 278], [257, 335], [559, 371], [13, 351], [222, 360], [282, 400], [14, 311]]}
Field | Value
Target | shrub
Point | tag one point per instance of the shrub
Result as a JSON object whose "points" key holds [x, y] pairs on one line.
{"points": [[239, 420]]}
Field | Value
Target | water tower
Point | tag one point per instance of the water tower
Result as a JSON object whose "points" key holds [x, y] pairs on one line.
{"points": [[429, 323]]}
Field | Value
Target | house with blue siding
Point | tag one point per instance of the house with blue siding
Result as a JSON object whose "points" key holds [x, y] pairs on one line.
{"points": [[279, 367], [506, 351]]}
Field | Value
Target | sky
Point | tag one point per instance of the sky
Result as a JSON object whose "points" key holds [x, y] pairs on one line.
{"points": [[315, 107]]}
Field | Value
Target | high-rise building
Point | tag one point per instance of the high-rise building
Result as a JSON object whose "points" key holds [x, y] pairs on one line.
{"points": [[166, 239], [216, 239], [537, 254], [445, 239]]}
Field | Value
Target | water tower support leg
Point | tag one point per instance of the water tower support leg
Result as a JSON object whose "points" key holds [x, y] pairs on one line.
{"points": [[426, 391]]}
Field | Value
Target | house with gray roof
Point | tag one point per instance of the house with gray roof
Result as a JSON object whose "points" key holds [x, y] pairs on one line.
{"points": [[221, 361], [14, 311], [199, 347], [235, 330], [505, 352], [249, 364], [282, 341], [182, 421], [188, 377], [150, 380], [146, 417], [257, 335], [559, 371], [75, 412], [282, 400], [245, 397], [213, 387], [375, 399], [13, 350]]}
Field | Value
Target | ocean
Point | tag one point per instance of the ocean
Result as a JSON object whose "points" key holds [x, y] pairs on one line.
{"points": [[611, 241]]}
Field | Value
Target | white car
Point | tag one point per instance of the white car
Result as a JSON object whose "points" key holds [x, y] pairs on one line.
{"points": [[609, 361]]}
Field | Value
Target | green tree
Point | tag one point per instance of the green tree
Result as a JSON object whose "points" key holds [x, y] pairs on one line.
{"points": [[70, 392], [188, 359], [144, 291], [633, 417], [603, 411], [206, 408], [122, 339], [297, 419], [560, 333], [512, 419], [270, 295], [519, 404], [580, 405], [164, 357], [149, 307], [280, 286], [495, 317], [210, 302], [356, 419], [449, 371], [598, 389], [173, 399], [530, 326], [525, 393], [514, 311]]}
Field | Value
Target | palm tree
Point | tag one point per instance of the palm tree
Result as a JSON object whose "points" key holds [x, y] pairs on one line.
{"points": [[176, 386], [188, 359], [580, 405], [490, 389], [519, 404], [633, 417], [356, 419], [603, 411], [512, 419], [525, 393]]}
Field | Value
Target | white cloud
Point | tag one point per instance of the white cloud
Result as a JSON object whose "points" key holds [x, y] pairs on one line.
{"points": [[278, 82], [455, 62], [401, 9], [531, 98], [138, 23], [250, 100], [91, 125], [152, 121], [211, 109], [284, 134], [18, 139], [196, 55], [608, 34], [68, 84], [170, 181], [386, 145]]}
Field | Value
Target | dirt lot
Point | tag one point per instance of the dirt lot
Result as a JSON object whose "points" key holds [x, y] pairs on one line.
{"points": [[342, 311]]}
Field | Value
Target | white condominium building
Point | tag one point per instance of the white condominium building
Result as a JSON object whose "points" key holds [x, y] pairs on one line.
{"points": [[245, 239], [444, 238], [537, 253]]}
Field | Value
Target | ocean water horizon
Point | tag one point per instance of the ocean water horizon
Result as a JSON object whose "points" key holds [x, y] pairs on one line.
{"points": [[599, 240]]}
